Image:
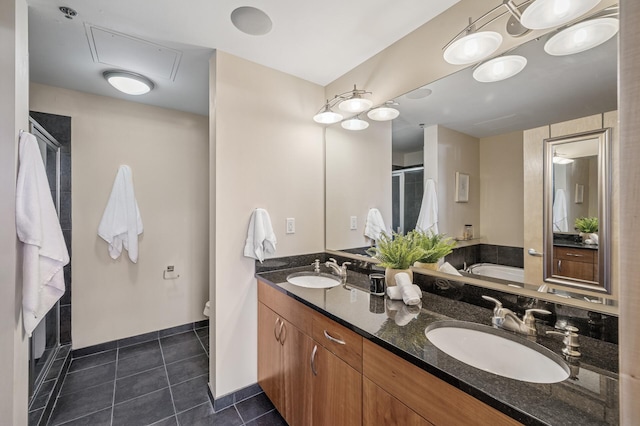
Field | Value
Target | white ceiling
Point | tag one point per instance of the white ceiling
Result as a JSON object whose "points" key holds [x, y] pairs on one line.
{"points": [[316, 41]]}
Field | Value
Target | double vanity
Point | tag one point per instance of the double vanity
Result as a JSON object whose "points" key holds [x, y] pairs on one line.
{"points": [[340, 355]]}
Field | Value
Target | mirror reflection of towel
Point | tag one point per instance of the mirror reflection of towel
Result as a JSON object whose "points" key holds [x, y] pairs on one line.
{"points": [[375, 226], [560, 223], [428, 217]]}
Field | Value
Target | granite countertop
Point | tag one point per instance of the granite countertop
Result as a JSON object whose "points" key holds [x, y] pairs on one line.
{"points": [[572, 244], [588, 397]]}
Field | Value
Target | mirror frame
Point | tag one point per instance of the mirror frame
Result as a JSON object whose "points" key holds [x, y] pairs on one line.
{"points": [[604, 211]]}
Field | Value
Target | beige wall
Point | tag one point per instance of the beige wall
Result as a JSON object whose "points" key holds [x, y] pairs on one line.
{"points": [[501, 190], [457, 152], [358, 177], [533, 188], [167, 151], [407, 159], [268, 153], [627, 216], [14, 112]]}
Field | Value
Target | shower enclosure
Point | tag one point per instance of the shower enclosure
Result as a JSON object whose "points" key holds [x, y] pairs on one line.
{"points": [[45, 339], [407, 190]]}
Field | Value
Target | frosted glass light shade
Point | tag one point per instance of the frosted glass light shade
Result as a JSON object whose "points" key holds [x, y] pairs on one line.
{"points": [[543, 14], [472, 48], [582, 36], [355, 124], [499, 68], [128, 82], [327, 117], [383, 114], [562, 160], [355, 104]]}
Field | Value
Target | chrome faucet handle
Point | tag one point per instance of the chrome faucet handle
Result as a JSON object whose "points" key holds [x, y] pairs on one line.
{"points": [[528, 317], [345, 264], [316, 266], [332, 260], [498, 312], [571, 341]]}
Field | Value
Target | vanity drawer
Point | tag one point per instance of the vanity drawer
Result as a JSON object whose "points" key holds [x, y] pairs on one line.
{"points": [[339, 340], [295, 312], [574, 254]]}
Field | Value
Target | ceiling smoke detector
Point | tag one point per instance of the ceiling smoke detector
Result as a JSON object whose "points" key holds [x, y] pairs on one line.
{"points": [[68, 12]]}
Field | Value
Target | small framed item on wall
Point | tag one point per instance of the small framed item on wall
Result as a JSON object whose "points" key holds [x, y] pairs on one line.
{"points": [[462, 187], [579, 193]]}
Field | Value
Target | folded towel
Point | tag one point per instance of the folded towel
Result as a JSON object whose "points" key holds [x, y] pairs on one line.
{"points": [[375, 226], [403, 279], [409, 295], [401, 313], [448, 269], [121, 222], [394, 292], [428, 217], [260, 237], [38, 227]]}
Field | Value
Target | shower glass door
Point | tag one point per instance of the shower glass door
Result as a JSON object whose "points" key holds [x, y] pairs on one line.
{"points": [[407, 190], [45, 339]]}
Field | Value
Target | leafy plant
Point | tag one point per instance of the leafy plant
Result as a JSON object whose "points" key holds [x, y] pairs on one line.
{"points": [[587, 225], [396, 251], [434, 246]]}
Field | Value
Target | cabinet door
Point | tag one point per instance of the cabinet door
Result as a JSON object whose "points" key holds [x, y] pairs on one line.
{"points": [[336, 391], [297, 376], [270, 357], [382, 409], [572, 269]]}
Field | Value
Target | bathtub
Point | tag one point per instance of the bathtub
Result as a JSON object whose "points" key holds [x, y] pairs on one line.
{"points": [[502, 272]]}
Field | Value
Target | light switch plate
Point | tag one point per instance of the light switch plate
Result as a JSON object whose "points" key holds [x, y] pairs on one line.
{"points": [[353, 224], [291, 225]]}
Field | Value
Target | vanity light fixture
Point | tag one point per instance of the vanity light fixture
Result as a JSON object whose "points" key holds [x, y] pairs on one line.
{"points": [[582, 36], [499, 68], [129, 82], [354, 123], [473, 47], [354, 102], [543, 14]]}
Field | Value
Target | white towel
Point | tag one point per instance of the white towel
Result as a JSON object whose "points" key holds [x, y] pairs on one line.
{"points": [[395, 293], [560, 222], [375, 226], [38, 227], [409, 295], [260, 237], [121, 222], [448, 269], [401, 313], [428, 217]]}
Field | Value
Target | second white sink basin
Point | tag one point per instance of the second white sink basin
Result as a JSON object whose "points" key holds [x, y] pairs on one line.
{"points": [[497, 352], [313, 280]]}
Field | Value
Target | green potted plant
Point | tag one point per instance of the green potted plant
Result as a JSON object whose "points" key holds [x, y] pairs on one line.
{"points": [[396, 253], [588, 228], [434, 247]]}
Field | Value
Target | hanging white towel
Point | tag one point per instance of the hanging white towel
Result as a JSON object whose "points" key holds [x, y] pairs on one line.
{"points": [[375, 226], [121, 222], [260, 237], [560, 223], [38, 227], [428, 217]]}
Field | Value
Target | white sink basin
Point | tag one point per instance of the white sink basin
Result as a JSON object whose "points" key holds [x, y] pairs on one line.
{"points": [[313, 280], [497, 352]]}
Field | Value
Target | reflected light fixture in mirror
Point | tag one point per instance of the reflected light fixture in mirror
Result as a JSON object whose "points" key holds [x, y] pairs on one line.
{"points": [[561, 160], [582, 36], [384, 112], [327, 116], [499, 68], [472, 48], [355, 123], [543, 14], [129, 82]]}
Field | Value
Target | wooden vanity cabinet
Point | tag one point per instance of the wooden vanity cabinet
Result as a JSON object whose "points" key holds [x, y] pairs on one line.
{"points": [[306, 381], [578, 263]]}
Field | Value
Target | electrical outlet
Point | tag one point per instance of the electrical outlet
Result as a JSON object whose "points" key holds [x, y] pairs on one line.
{"points": [[354, 223], [291, 225]]}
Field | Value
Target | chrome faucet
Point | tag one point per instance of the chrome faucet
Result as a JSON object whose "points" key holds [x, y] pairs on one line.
{"points": [[341, 271], [571, 341], [507, 319]]}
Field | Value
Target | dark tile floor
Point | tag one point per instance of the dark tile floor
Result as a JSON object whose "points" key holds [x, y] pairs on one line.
{"points": [[151, 380]]}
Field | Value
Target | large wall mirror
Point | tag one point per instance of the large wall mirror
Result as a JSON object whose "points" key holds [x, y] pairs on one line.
{"points": [[457, 126], [577, 184]]}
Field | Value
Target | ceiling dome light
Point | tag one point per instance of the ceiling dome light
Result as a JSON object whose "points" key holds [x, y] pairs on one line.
{"points": [[129, 82], [327, 116], [355, 104], [543, 14], [582, 36], [500, 68], [355, 124], [472, 48], [383, 113]]}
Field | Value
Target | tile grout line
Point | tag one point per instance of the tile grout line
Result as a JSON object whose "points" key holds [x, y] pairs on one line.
{"points": [[201, 344], [166, 372], [115, 382]]}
